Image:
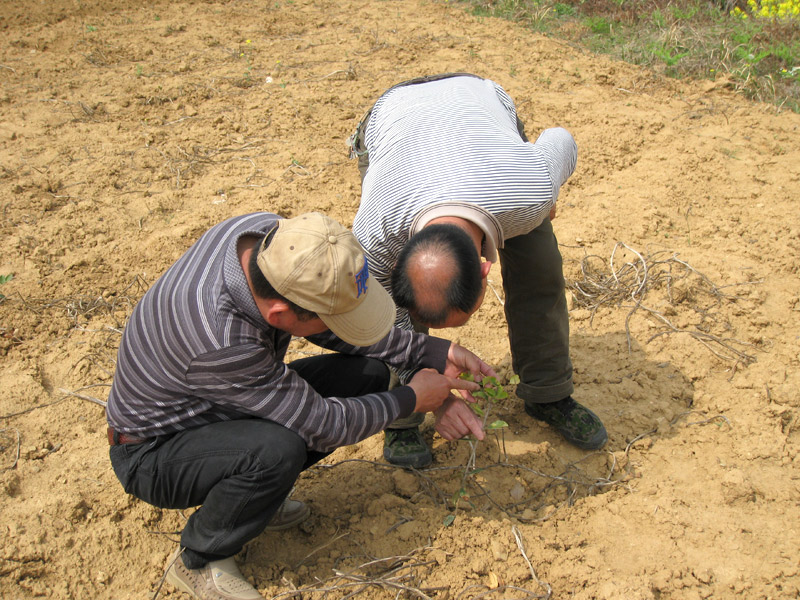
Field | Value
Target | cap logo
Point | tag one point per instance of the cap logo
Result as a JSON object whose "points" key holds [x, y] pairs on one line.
{"points": [[361, 279]]}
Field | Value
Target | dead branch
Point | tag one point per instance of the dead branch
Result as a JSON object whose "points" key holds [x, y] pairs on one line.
{"points": [[521, 545], [83, 396]]}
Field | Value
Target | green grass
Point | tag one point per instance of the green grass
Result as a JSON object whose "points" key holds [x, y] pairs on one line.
{"points": [[752, 44]]}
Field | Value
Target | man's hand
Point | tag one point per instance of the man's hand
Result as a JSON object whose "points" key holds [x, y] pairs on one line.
{"points": [[553, 212], [459, 360], [432, 389], [454, 420]]}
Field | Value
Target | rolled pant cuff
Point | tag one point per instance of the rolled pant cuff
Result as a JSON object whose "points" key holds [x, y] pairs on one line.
{"points": [[410, 422], [532, 394], [198, 560]]}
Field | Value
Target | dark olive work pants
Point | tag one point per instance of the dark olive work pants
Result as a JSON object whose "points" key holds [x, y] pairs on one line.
{"points": [[238, 472], [535, 302]]}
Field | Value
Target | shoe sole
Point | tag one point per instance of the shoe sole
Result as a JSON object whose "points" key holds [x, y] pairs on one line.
{"points": [[289, 524], [178, 583], [417, 462], [595, 443]]}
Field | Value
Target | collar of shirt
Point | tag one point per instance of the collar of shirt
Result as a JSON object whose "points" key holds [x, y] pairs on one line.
{"points": [[492, 232]]}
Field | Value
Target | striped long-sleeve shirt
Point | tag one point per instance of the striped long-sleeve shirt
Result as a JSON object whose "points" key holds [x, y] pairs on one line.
{"points": [[196, 350], [451, 147]]}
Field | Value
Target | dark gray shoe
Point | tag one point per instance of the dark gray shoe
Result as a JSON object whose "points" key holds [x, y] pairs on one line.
{"points": [[406, 447], [579, 426], [290, 513]]}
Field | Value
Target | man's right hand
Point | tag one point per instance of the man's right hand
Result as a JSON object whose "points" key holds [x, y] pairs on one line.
{"points": [[432, 389], [455, 419]]}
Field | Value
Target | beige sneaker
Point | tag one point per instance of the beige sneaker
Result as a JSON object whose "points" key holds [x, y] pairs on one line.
{"points": [[290, 513], [218, 580]]}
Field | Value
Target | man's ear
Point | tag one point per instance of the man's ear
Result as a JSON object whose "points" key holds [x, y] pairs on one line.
{"points": [[486, 266], [279, 315]]}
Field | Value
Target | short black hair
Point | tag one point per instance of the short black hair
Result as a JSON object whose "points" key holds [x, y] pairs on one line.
{"points": [[462, 290], [263, 288]]}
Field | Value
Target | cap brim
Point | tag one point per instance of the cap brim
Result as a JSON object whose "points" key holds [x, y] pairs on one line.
{"points": [[369, 322]]}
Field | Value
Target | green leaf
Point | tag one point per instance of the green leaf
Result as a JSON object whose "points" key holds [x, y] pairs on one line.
{"points": [[476, 409], [513, 380], [6, 278], [448, 520], [459, 494], [497, 425], [466, 376]]}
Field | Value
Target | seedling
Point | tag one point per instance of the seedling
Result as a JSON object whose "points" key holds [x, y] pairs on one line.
{"points": [[486, 397], [5, 279], [491, 391]]}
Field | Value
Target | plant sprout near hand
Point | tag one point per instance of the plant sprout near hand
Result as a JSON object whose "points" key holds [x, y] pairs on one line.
{"points": [[491, 391], [486, 397]]}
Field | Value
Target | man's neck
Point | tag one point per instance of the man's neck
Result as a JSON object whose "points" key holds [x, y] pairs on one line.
{"points": [[475, 233], [245, 247]]}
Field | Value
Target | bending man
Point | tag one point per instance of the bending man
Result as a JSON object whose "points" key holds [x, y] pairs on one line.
{"points": [[448, 179]]}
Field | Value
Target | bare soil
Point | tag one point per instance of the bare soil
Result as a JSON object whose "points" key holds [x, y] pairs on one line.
{"points": [[128, 128]]}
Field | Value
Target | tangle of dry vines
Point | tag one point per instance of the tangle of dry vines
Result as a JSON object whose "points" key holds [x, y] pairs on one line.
{"points": [[621, 282]]}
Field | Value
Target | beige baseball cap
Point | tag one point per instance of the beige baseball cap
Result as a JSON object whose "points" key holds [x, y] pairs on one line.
{"points": [[319, 265]]}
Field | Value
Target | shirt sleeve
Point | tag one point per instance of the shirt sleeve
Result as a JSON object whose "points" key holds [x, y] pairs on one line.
{"points": [[248, 379], [560, 153], [416, 350], [401, 348]]}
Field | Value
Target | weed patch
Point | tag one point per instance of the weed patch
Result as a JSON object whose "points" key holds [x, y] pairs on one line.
{"points": [[753, 44]]}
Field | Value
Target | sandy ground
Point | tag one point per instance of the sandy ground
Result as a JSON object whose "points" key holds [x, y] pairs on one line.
{"points": [[127, 129]]}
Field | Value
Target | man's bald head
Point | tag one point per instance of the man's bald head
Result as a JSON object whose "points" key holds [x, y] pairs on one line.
{"points": [[437, 277]]}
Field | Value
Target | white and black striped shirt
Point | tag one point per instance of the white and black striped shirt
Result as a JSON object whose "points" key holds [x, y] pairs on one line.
{"points": [[454, 143], [196, 350]]}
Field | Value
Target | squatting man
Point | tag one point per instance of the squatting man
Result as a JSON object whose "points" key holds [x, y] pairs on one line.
{"points": [[204, 412]]}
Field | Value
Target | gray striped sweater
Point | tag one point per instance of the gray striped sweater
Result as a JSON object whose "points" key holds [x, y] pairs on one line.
{"points": [[196, 350]]}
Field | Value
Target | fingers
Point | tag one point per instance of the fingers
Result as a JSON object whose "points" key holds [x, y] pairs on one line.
{"points": [[462, 384], [447, 432], [458, 429], [475, 427], [454, 420], [486, 369], [464, 360], [466, 396]]}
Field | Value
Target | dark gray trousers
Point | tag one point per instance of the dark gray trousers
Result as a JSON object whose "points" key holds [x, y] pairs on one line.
{"points": [[237, 472]]}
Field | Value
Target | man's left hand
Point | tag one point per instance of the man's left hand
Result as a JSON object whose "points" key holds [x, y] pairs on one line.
{"points": [[460, 360]]}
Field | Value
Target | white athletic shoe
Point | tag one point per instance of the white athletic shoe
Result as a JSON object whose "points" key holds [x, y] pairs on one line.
{"points": [[218, 580]]}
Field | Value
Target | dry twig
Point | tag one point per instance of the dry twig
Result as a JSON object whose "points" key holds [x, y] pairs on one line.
{"points": [[395, 574], [521, 546]]}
